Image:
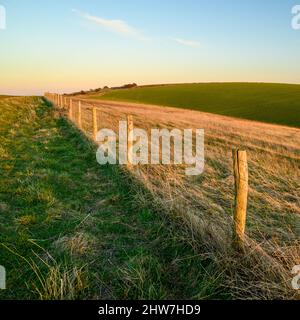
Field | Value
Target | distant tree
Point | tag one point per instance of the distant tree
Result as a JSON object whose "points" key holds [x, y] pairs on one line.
{"points": [[129, 86], [126, 86]]}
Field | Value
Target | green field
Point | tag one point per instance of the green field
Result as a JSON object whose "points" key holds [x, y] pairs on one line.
{"points": [[272, 103]]}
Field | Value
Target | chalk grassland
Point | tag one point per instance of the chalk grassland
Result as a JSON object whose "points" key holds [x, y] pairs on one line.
{"points": [[272, 103], [71, 229], [205, 202]]}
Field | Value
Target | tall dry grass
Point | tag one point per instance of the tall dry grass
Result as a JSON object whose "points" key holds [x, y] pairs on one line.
{"points": [[204, 204]]}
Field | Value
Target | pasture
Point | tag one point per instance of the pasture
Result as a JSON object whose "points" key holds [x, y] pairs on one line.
{"points": [[271, 103], [72, 229]]}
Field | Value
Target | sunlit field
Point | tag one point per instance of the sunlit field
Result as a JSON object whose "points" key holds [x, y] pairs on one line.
{"points": [[272, 103], [113, 233], [149, 158]]}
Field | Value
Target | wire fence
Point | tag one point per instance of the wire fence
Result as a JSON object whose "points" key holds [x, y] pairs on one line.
{"points": [[91, 118]]}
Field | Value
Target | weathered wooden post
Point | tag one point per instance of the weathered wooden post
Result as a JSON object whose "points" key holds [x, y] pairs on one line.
{"points": [[79, 115], [71, 110], [129, 141], [95, 123], [240, 167]]}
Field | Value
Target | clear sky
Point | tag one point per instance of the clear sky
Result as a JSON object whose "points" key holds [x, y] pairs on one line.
{"points": [[56, 45]]}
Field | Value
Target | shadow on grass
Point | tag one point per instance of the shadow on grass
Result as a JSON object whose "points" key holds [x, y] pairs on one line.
{"points": [[157, 260], [63, 216]]}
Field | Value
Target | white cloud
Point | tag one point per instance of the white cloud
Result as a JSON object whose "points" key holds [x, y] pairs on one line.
{"points": [[117, 26], [189, 43]]}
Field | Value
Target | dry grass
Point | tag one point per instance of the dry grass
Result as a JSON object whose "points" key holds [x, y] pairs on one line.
{"points": [[54, 281], [204, 203], [26, 220], [62, 284], [77, 245]]}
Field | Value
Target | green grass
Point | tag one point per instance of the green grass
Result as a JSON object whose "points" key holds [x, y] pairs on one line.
{"points": [[71, 229], [271, 103]]}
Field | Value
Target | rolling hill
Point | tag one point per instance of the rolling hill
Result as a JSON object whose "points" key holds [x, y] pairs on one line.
{"points": [[271, 103], [71, 229]]}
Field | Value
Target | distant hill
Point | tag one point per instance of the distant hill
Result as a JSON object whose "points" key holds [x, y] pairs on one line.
{"points": [[103, 90], [266, 102]]}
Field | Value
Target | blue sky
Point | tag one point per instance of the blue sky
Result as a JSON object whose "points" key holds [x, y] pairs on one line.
{"points": [[71, 45]]}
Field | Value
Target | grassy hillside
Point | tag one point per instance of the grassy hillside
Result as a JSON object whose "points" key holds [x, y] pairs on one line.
{"points": [[71, 229], [205, 202], [62, 216], [272, 103]]}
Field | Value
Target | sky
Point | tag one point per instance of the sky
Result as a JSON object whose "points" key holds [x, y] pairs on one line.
{"points": [[66, 46]]}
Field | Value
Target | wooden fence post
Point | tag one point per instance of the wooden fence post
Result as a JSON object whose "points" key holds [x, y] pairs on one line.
{"points": [[129, 141], [79, 115], [71, 110], [95, 123], [240, 168]]}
